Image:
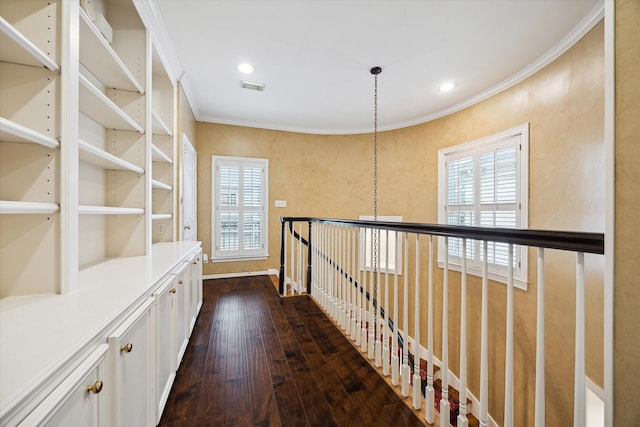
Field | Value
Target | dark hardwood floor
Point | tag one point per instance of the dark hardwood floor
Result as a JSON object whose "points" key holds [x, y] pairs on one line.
{"points": [[256, 359]]}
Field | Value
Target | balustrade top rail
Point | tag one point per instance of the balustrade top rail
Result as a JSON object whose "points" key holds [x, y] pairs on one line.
{"points": [[563, 240]]}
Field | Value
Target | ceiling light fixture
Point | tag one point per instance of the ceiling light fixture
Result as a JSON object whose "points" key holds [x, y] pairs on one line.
{"points": [[446, 86], [245, 68]]}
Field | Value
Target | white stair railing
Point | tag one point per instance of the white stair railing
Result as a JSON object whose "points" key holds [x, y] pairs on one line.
{"points": [[360, 300]]}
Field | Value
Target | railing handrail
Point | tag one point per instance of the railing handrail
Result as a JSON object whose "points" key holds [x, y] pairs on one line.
{"points": [[563, 240]]}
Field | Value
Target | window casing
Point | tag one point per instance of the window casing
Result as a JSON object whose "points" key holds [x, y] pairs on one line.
{"points": [[240, 214], [485, 183]]}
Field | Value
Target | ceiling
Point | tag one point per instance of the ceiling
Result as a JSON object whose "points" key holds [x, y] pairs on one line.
{"points": [[314, 57]]}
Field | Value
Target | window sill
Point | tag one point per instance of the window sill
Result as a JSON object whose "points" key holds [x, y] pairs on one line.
{"points": [[496, 277], [240, 259]]}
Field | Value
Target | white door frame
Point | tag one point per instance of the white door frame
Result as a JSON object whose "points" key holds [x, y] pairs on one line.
{"points": [[186, 143]]}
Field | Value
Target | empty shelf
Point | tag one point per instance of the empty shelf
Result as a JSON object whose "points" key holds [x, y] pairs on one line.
{"points": [[14, 132], [96, 156], [161, 216], [11, 207], [17, 48], [160, 185], [158, 156], [100, 108], [103, 62], [107, 210], [159, 127]]}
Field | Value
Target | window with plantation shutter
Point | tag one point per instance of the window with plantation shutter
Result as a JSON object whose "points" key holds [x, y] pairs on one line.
{"points": [[485, 183], [239, 227]]}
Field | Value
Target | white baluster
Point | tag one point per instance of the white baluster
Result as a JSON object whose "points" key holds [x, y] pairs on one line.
{"points": [[462, 415], [385, 321], [429, 393], [445, 408], [579, 397], [417, 395], [292, 275], [354, 294], [300, 284], [343, 279], [327, 268], [336, 275], [323, 261], [363, 296], [540, 386], [378, 329], [358, 330], [372, 308], [395, 360], [347, 281], [484, 355], [340, 267], [406, 371], [508, 366]]}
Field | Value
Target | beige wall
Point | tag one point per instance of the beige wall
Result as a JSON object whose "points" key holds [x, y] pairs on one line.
{"points": [[332, 176], [627, 205]]}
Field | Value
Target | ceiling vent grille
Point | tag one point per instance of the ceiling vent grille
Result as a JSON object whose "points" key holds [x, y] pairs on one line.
{"points": [[253, 85]]}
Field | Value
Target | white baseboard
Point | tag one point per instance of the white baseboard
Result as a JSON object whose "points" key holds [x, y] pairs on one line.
{"points": [[230, 275]]}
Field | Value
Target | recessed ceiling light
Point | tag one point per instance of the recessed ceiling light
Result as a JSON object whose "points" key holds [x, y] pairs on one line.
{"points": [[446, 86], [245, 68]]}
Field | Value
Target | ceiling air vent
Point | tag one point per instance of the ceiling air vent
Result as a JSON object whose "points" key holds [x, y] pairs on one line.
{"points": [[253, 85]]}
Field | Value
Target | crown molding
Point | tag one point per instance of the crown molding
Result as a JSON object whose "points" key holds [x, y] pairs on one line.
{"points": [[152, 19]]}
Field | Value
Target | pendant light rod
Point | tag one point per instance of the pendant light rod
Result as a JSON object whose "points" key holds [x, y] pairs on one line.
{"points": [[375, 71]]}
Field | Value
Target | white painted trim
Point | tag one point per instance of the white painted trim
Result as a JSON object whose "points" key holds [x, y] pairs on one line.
{"points": [[583, 27], [231, 275], [609, 234], [152, 19]]}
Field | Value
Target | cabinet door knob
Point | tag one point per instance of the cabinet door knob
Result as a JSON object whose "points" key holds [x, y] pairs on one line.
{"points": [[172, 290], [96, 387], [187, 227], [127, 348], [180, 282]]}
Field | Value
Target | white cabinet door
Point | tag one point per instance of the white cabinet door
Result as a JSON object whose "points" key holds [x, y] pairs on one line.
{"points": [[132, 373], [165, 343], [195, 288], [82, 399], [182, 311]]}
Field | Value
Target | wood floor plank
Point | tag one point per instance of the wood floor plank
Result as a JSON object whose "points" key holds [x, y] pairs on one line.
{"points": [[257, 359]]}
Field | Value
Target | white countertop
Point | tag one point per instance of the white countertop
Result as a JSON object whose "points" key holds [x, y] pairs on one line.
{"points": [[39, 333]]}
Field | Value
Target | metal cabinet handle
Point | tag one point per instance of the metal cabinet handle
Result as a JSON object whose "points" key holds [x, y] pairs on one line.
{"points": [[172, 290], [96, 387], [180, 282], [187, 227], [127, 348]]}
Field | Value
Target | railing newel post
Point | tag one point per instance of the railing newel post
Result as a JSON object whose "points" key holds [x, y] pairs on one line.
{"points": [[309, 259], [282, 256]]}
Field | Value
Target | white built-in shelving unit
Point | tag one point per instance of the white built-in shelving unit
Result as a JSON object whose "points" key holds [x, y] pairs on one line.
{"points": [[87, 142], [30, 108], [88, 244], [163, 142]]}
